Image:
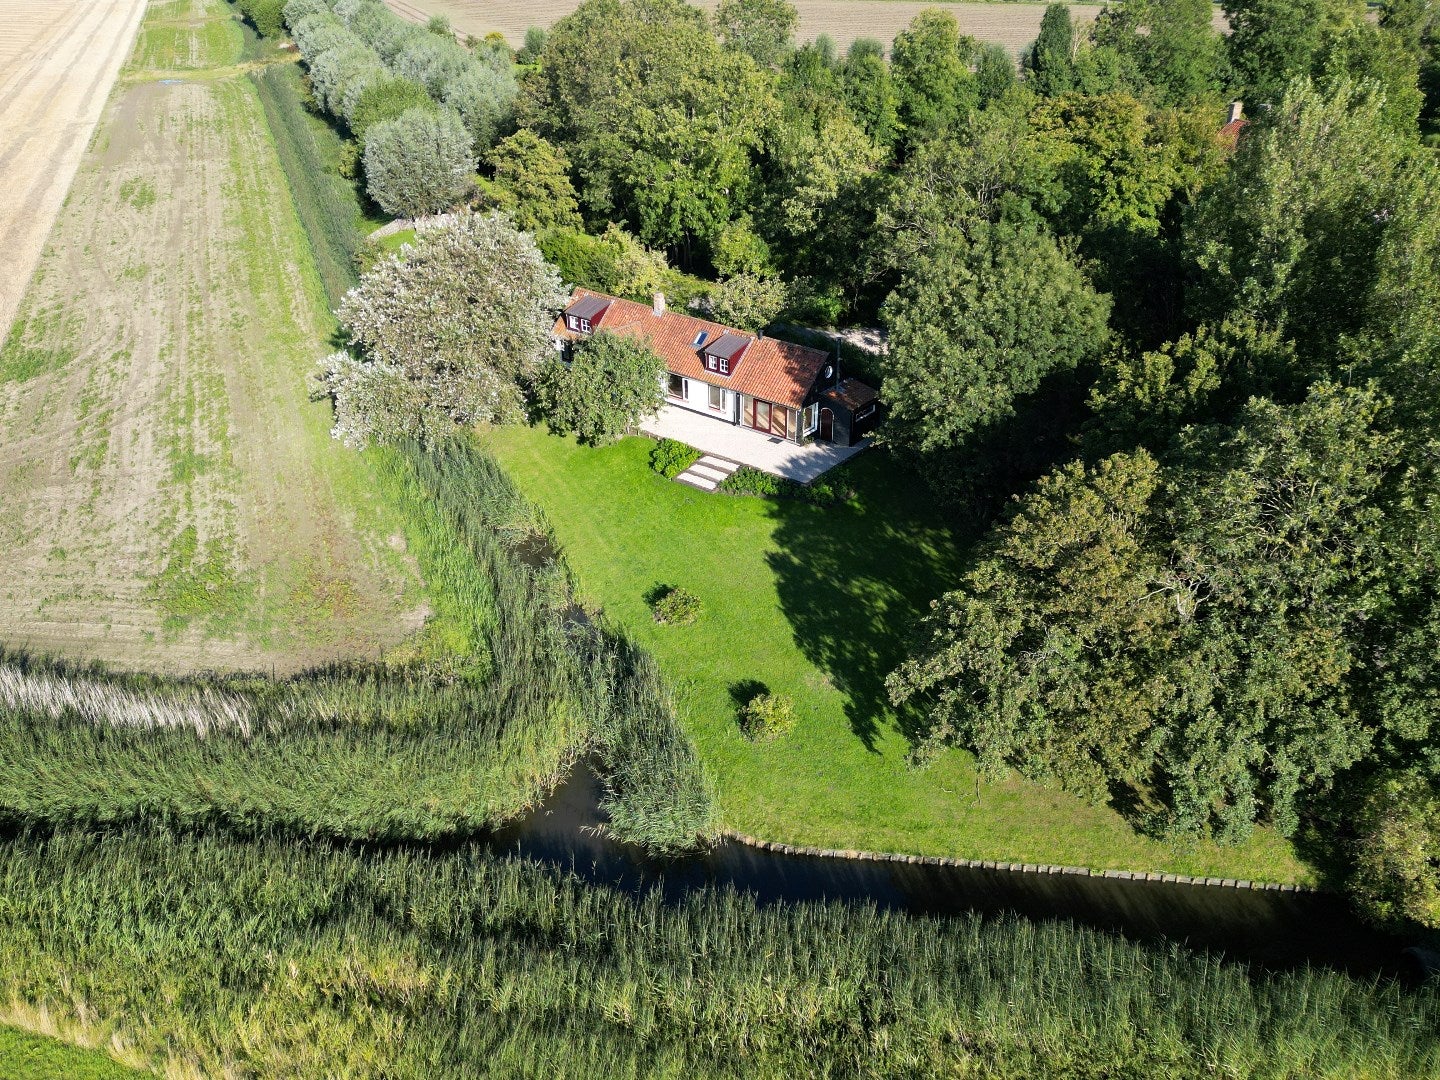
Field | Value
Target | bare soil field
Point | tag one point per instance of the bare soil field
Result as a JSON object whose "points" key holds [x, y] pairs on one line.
{"points": [[1011, 25], [58, 60], [171, 497]]}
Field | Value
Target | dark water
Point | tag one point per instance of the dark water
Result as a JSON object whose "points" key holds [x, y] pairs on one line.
{"points": [[1268, 929]]}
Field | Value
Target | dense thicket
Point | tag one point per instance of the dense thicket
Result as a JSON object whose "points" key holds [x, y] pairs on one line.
{"points": [[211, 955]]}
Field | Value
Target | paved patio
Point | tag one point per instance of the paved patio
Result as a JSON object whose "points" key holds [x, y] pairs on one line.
{"points": [[763, 452]]}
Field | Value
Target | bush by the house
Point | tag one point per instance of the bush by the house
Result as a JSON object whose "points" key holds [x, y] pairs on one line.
{"points": [[610, 385], [676, 607], [419, 163], [671, 457], [749, 481], [463, 324], [767, 716]]}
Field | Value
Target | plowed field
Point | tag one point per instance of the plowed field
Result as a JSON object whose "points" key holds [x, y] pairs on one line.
{"points": [[1011, 25]]}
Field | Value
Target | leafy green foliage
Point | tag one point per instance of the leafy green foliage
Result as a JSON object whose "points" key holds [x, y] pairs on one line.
{"points": [[1137, 624], [384, 100], [751, 481], [535, 38], [670, 152], [532, 178], [671, 457], [1397, 864], [1273, 41], [1170, 46], [930, 63], [747, 301], [675, 606], [759, 28], [767, 716], [978, 321], [609, 385], [1050, 64], [264, 15]]}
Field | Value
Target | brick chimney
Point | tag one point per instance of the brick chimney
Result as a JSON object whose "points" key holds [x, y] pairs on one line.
{"points": [[1237, 112], [659, 304]]}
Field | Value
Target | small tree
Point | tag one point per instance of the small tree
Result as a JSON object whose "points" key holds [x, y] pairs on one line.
{"points": [[761, 28], [535, 39], [465, 318], [1397, 863], [533, 178], [611, 384], [418, 163]]}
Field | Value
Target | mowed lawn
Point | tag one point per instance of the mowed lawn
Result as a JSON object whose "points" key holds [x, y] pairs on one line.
{"points": [[817, 603], [24, 1056]]}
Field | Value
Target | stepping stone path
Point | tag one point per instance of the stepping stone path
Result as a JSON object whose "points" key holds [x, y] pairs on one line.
{"points": [[707, 473]]}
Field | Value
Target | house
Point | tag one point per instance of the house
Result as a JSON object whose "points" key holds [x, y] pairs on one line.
{"points": [[777, 388], [1234, 124]]}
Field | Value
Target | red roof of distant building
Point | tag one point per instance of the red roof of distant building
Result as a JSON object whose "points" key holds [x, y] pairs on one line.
{"points": [[1230, 133], [769, 369]]}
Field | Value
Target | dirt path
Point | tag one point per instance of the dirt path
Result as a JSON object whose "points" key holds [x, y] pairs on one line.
{"points": [[170, 495], [58, 60]]}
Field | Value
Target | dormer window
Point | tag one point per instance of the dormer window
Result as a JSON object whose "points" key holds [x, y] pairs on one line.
{"points": [[583, 314]]}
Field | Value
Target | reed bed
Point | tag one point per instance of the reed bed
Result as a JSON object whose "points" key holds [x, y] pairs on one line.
{"points": [[509, 689], [212, 956]]}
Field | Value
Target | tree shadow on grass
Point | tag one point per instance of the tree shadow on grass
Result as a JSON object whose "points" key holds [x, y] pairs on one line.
{"points": [[853, 580]]}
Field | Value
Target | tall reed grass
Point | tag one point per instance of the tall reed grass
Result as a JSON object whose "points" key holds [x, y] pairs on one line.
{"points": [[212, 956]]}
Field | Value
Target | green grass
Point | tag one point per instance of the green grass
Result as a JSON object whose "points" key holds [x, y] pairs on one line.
{"points": [[186, 36], [817, 603], [24, 1056]]}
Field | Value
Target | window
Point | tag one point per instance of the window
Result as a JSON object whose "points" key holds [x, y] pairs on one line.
{"points": [[724, 366], [717, 399], [676, 387], [762, 415], [572, 322], [584, 326], [699, 339], [712, 363], [812, 418]]}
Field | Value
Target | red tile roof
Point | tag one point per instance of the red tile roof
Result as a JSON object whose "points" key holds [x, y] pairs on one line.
{"points": [[1230, 133], [771, 370]]}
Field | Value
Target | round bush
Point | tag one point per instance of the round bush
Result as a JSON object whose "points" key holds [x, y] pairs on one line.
{"points": [[419, 163], [767, 716], [676, 607]]}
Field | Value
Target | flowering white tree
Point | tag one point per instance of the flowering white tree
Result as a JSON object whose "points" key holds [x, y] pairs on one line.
{"points": [[454, 331]]}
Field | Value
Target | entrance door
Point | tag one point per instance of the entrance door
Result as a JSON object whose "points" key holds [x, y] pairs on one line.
{"points": [[827, 425], [779, 421]]}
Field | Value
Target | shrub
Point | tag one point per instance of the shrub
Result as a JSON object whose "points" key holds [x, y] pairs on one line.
{"points": [[419, 163], [767, 716], [610, 385], [676, 607], [749, 481], [671, 457], [535, 39]]}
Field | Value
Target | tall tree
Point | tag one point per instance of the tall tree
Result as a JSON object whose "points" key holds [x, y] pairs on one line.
{"points": [[869, 91], [980, 318], [609, 385], [1170, 46], [759, 28], [464, 318], [1272, 41], [994, 72], [533, 181], [930, 62], [661, 122], [1050, 63]]}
